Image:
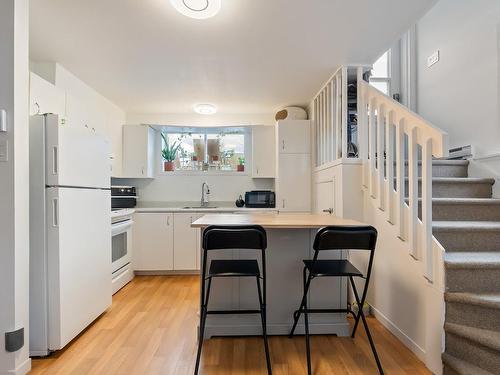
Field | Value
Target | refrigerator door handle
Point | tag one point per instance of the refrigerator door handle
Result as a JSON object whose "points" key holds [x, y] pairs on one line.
{"points": [[55, 213], [54, 160]]}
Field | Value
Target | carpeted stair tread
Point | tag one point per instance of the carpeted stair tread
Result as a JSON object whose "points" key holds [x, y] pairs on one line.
{"points": [[468, 260], [463, 367], [460, 180], [459, 226], [489, 300], [485, 337], [459, 201]]}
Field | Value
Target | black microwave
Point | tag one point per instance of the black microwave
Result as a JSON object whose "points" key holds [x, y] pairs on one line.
{"points": [[260, 199]]}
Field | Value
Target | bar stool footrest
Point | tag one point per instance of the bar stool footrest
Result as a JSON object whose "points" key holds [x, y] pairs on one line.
{"points": [[229, 312]]}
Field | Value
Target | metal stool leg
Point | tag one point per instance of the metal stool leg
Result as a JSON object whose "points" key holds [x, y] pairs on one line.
{"points": [[203, 319], [306, 328], [262, 302], [365, 324], [296, 315]]}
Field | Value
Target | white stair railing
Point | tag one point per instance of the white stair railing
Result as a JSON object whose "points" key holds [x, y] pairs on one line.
{"points": [[394, 139]]}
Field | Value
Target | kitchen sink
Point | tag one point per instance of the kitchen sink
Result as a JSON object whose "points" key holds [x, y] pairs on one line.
{"points": [[197, 207]]}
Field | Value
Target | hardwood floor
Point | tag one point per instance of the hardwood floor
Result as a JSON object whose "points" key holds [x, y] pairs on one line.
{"points": [[151, 329]]}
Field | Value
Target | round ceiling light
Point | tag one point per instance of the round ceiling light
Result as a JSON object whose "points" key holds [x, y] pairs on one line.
{"points": [[199, 9], [205, 109]]}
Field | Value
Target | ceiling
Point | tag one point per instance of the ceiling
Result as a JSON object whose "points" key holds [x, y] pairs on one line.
{"points": [[253, 57]]}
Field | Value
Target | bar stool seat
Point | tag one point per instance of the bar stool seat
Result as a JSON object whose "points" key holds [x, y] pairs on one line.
{"points": [[327, 267], [231, 268]]}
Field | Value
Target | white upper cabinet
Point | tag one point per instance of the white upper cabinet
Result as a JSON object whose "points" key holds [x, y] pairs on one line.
{"points": [[46, 98], [263, 152], [138, 151], [294, 137]]}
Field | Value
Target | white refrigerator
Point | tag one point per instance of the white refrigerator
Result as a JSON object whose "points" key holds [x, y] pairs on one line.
{"points": [[70, 231]]}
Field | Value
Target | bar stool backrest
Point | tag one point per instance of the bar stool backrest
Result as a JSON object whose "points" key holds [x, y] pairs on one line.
{"points": [[346, 238], [217, 237]]}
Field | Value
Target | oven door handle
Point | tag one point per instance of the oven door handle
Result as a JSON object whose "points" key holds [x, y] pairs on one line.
{"points": [[120, 228]]}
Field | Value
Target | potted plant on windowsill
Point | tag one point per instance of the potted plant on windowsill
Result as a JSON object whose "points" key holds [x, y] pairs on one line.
{"points": [[241, 164], [169, 153]]}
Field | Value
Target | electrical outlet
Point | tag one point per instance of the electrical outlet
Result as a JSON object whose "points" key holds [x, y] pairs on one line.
{"points": [[432, 59]]}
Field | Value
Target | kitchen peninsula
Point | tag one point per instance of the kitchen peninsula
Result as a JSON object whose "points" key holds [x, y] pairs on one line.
{"points": [[289, 241]]}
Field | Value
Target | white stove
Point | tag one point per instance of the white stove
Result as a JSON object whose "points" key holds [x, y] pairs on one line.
{"points": [[121, 253]]}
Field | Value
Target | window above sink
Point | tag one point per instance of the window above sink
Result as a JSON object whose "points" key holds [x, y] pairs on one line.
{"points": [[204, 149]]}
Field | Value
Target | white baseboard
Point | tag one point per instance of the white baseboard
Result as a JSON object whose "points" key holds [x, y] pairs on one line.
{"points": [[23, 369], [407, 341]]}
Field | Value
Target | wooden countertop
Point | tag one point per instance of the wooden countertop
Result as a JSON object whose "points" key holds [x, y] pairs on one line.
{"points": [[285, 221]]}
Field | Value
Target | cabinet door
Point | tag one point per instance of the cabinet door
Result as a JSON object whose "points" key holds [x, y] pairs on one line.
{"points": [[46, 98], [294, 136], [263, 152], [185, 242], [325, 197], [294, 182], [153, 241], [138, 151]]}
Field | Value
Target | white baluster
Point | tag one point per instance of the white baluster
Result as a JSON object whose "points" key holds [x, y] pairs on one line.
{"points": [[338, 119], [344, 112], [316, 134], [413, 191], [331, 124], [325, 127], [380, 156], [400, 179], [427, 208], [372, 134], [389, 165], [362, 134]]}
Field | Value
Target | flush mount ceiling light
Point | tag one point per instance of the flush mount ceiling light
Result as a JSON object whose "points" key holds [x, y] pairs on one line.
{"points": [[205, 109], [199, 9]]}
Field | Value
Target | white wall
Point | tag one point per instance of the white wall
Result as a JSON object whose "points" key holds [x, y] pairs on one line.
{"points": [[460, 93], [107, 118], [400, 297], [178, 188], [188, 188], [14, 183]]}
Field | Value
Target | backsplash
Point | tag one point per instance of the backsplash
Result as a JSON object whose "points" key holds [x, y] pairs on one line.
{"points": [[188, 187]]}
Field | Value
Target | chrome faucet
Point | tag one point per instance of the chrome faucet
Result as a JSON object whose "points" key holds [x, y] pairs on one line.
{"points": [[205, 192]]}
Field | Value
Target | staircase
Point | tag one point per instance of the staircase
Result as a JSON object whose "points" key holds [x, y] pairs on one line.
{"points": [[466, 221]]}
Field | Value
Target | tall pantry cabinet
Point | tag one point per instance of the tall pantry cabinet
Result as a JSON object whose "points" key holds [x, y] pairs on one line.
{"points": [[293, 166]]}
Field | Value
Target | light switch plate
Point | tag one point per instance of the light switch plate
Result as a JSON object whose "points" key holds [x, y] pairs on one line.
{"points": [[4, 150], [3, 120], [433, 58]]}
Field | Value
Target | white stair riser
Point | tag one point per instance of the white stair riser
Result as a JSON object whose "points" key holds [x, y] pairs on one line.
{"points": [[476, 316], [474, 280], [469, 240], [472, 352]]}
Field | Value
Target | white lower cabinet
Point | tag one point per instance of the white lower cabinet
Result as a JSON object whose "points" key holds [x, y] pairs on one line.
{"points": [[153, 241], [186, 242]]}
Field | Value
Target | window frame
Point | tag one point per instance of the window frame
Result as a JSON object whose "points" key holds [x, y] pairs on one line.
{"points": [[387, 79], [247, 134]]}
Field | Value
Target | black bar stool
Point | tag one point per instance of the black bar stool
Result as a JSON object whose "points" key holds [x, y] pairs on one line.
{"points": [[233, 237], [338, 238]]}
